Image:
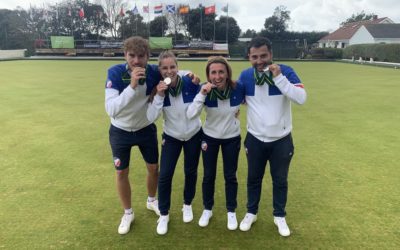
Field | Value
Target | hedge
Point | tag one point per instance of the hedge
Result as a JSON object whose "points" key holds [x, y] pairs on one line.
{"points": [[326, 53], [378, 52]]}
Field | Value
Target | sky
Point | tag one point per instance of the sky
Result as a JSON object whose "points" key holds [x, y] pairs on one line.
{"points": [[305, 15]]}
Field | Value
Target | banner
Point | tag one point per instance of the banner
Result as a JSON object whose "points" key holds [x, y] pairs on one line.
{"points": [[170, 8], [62, 42], [160, 42], [184, 10], [220, 46], [158, 9], [209, 10]]}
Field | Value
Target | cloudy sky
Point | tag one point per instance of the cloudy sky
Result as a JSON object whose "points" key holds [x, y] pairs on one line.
{"points": [[306, 15]]}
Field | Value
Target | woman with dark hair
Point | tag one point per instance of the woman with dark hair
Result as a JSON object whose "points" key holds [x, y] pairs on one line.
{"points": [[221, 97]]}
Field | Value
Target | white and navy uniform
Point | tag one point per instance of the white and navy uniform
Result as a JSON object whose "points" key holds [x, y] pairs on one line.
{"points": [[221, 129], [269, 126], [179, 132], [127, 109]]}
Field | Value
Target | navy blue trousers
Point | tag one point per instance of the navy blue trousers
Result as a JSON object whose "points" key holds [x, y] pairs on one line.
{"points": [[230, 154], [279, 154], [171, 149]]}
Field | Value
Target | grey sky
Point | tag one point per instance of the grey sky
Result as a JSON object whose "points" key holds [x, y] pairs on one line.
{"points": [[306, 15]]}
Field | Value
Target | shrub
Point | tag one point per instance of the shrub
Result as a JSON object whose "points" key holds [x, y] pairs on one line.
{"points": [[379, 52], [326, 53]]}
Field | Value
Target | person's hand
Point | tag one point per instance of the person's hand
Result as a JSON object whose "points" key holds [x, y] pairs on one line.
{"points": [[161, 88], [237, 114], [275, 69], [206, 88], [195, 78], [137, 74]]}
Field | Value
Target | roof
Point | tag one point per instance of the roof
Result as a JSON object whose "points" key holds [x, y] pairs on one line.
{"points": [[348, 30], [384, 30]]}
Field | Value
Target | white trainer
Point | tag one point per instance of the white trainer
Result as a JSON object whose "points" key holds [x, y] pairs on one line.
{"points": [[205, 218], [187, 213], [248, 219], [162, 227], [126, 222], [232, 221], [283, 228], [153, 205]]}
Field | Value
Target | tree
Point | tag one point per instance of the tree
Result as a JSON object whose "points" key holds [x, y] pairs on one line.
{"points": [[14, 32], [278, 22], [220, 29], [157, 26], [133, 25], [362, 16], [112, 9], [199, 25], [250, 33]]}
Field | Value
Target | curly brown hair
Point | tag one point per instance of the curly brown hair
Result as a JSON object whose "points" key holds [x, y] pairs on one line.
{"points": [[221, 60], [137, 45]]}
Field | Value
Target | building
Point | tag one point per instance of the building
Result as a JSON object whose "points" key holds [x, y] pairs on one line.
{"points": [[377, 33], [357, 32]]}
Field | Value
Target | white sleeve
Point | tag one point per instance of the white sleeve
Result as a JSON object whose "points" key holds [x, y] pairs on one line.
{"points": [[182, 73], [116, 102], [291, 91], [196, 106], [154, 108]]}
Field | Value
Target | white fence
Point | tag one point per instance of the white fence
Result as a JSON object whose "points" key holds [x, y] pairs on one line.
{"points": [[17, 53]]}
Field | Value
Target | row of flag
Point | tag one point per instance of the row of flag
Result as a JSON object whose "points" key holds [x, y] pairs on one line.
{"points": [[170, 8], [158, 9]]}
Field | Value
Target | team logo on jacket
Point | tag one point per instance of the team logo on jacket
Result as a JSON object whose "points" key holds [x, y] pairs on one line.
{"points": [[204, 146], [163, 142], [247, 151], [109, 84], [117, 162]]}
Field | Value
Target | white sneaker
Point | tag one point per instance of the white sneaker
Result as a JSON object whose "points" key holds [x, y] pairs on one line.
{"points": [[126, 222], [232, 221], [187, 213], [283, 228], [205, 218], [153, 205], [162, 227], [248, 219]]}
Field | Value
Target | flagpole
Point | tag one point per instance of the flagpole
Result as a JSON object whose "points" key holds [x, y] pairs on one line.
{"points": [[176, 20], [201, 22], [214, 24], [148, 17], [136, 18], [188, 18], [227, 19]]}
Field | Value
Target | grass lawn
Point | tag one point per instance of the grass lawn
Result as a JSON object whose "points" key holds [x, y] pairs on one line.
{"points": [[57, 188]]}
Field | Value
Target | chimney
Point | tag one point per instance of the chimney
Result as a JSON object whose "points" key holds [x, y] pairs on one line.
{"points": [[374, 17]]}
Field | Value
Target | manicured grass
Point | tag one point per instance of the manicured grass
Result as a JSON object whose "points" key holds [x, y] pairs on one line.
{"points": [[57, 185]]}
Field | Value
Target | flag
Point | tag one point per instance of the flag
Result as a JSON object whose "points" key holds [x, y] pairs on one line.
{"points": [[146, 9], [184, 10], [81, 13], [45, 15], [135, 10], [158, 9], [121, 12], [225, 8], [170, 9], [209, 10]]}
